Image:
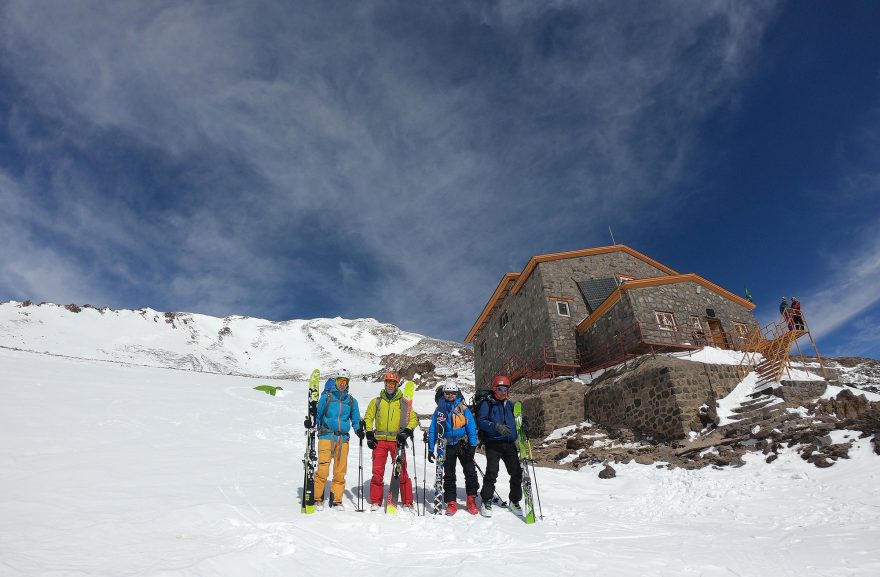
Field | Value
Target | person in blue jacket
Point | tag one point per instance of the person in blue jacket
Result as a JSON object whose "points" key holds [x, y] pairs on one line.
{"points": [[495, 420], [338, 413], [460, 432]]}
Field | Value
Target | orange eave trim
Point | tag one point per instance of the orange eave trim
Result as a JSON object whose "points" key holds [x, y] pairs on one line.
{"points": [[500, 290], [536, 260], [658, 281]]}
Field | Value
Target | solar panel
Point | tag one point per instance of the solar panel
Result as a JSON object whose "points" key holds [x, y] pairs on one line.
{"points": [[596, 290]]}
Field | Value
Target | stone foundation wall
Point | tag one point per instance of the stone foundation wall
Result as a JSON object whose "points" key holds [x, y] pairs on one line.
{"points": [[661, 397], [557, 405], [802, 390]]}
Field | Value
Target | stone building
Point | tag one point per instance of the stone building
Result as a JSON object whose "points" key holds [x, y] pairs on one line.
{"points": [[590, 308]]}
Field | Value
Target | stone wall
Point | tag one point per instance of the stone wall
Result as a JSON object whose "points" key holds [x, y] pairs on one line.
{"points": [[660, 397], [685, 299], [802, 390], [557, 405], [559, 280], [526, 331], [618, 320]]}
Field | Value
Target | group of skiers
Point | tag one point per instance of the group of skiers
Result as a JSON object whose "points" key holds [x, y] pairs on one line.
{"points": [[389, 421]]}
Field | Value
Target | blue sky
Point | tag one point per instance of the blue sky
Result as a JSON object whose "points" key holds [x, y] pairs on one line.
{"points": [[394, 159]]}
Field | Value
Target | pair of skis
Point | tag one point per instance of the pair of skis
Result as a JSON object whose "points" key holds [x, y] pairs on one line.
{"points": [[310, 459], [392, 499], [525, 459], [439, 460]]}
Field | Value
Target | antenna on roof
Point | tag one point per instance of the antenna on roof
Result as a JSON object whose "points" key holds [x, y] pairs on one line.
{"points": [[612, 234]]}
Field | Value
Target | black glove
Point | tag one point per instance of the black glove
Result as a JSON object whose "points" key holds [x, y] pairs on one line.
{"points": [[371, 440], [502, 429], [467, 452], [307, 423], [403, 435], [360, 431], [430, 457], [425, 437]]}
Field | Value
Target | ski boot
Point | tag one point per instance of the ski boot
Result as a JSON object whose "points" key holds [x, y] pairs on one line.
{"points": [[472, 505]]}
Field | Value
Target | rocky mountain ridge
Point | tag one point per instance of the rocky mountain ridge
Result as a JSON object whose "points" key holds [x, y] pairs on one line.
{"points": [[232, 345]]}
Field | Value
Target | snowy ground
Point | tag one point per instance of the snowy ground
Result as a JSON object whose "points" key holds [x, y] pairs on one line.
{"points": [[111, 470]]}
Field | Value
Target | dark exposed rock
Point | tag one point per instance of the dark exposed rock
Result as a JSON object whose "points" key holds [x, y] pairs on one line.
{"points": [[607, 473], [73, 308], [821, 462]]}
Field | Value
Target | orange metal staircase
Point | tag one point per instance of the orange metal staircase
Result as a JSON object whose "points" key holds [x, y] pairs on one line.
{"points": [[768, 350]]}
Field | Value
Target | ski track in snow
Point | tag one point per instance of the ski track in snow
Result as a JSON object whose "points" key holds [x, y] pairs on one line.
{"points": [[114, 470]]}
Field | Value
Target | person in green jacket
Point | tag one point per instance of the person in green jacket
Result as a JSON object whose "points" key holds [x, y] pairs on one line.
{"points": [[390, 420]]}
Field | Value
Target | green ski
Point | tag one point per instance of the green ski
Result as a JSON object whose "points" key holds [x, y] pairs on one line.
{"points": [[525, 456], [310, 459], [391, 500]]}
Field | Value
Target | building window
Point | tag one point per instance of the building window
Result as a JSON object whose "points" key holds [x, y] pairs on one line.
{"points": [[695, 323], [482, 348], [504, 320], [665, 320], [562, 309], [741, 329]]}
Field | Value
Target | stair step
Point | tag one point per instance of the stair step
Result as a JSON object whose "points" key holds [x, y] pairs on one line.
{"points": [[760, 417], [753, 405]]}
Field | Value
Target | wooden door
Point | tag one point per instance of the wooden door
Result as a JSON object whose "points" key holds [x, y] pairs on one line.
{"points": [[718, 338]]}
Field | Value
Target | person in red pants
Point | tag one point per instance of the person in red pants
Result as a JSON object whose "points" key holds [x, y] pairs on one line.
{"points": [[390, 420]]}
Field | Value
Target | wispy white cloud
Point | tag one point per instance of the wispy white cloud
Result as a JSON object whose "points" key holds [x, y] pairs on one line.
{"points": [[441, 145], [850, 287]]}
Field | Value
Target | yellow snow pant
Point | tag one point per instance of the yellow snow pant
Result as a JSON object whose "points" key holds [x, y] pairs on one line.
{"points": [[338, 451]]}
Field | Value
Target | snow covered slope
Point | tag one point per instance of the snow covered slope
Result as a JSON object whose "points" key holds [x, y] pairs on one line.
{"points": [[110, 470], [231, 345]]}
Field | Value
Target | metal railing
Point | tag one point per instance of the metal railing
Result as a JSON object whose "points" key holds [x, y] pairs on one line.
{"points": [[642, 338]]}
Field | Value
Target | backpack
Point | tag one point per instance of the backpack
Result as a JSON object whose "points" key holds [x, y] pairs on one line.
{"points": [[480, 397], [456, 416]]}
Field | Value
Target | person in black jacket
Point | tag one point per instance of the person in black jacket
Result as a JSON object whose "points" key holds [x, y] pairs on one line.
{"points": [[495, 419]]}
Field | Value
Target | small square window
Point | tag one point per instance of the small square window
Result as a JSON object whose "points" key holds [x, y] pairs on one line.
{"points": [[562, 309], [665, 320], [695, 323], [741, 329]]}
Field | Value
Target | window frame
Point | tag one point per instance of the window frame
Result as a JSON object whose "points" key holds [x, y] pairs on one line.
{"points": [[504, 319], [741, 329], [663, 326], [567, 308]]}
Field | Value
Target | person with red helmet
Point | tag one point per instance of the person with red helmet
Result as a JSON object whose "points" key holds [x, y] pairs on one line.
{"points": [[495, 419]]}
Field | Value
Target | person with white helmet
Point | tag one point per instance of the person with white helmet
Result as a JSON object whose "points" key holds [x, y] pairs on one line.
{"points": [[460, 432], [338, 413]]}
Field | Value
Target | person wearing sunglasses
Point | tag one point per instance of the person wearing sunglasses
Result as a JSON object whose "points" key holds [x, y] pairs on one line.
{"points": [[495, 419], [390, 421], [460, 433], [338, 413]]}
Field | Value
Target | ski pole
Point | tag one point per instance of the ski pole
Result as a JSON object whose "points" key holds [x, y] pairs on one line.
{"points": [[416, 473], [361, 475], [483, 476], [535, 479], [425, 476]]}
